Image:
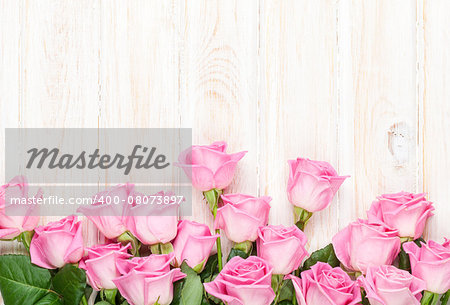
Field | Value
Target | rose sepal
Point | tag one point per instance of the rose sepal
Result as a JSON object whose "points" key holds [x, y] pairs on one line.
{"points": [[161, 248], [126, 238], [301, 217], [429, 298]]}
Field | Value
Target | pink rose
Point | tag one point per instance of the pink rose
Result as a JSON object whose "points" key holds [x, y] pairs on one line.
{"points": [[107, 210], [12, 226], [100, 264], [242, 215], [160, 224], [243, 282], [282, 247], [388, 285], [149, 280], [312, 184], [361, 244], [193, 244], [431, 263], [57, 243], [406, 212], [209, 166], [151, 263], [324, 285]]}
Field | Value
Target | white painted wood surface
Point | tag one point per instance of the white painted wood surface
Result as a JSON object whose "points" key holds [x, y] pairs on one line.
{"points": [[361, 84]]}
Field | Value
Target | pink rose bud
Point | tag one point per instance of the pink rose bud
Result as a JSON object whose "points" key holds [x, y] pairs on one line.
{"points": [[243, 282], [362, 244], [242, 215], [193, 244], [388, 285], [12, 226], [431, 263], [57, 243], [406, 212], [312, 184], [282, 247], [324, 285], [109, 218], [100, 264], [160, 224], [209, 166], [149, 281]]}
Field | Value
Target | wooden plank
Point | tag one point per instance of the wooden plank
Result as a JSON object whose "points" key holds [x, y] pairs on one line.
{"points": [[298, 102], [59, 68], [218, 74], [139, 64], [378, 106], [10, 48], [436, 115]]}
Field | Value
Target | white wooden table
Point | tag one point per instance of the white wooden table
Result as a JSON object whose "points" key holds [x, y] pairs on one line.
{"points": [[364, 85]]}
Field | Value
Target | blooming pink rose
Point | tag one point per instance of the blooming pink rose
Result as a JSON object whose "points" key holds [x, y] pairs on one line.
{"points": [[312, 184], [388, 285], [324, 285], [431, 263], [107, 210], [153, 224], [242, 215], [361, 244], [100, 264], [149, 280], [57, 243], [243, 282], [406, 212], [282, 247], [193, 244], [12, 226], [209, 166], [151, 263]]}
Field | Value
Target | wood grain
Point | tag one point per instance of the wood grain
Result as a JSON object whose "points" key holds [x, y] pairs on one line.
{"points": [[436, 115], [360, 84], [10, 95], [378, 108], [298, 101], [58, 83], [218, 84]]}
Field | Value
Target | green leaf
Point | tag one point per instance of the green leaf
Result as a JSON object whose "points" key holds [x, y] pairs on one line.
{"points": [[403, 260], [419, 241], [325, 255], [210, 269], [70, 283], [445, 297], [103, 303], [205, 301], [403, 257], [365, 300], [287, 291], [22, 283], [212, 299], [88, 291], [236, 252], [49, 299], [189, 291], [285, 302]]}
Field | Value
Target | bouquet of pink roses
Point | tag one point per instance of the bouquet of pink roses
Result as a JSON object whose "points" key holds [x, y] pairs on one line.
{"points": [[158, 259]]}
